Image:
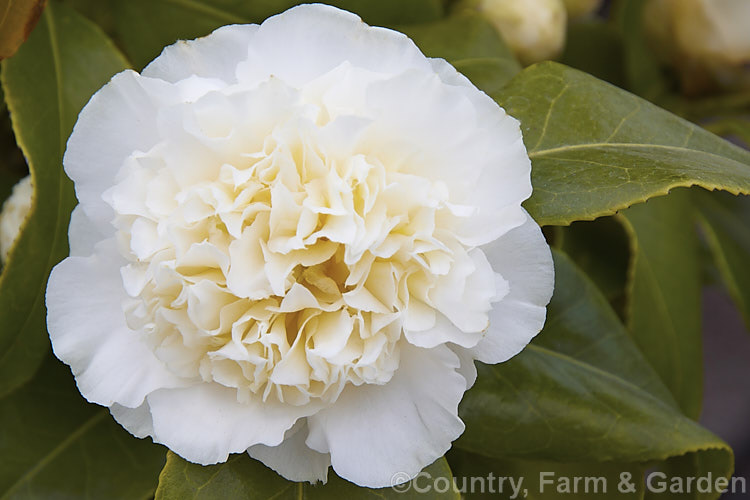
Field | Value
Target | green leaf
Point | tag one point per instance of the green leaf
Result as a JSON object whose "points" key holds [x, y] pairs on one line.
{"points": [[392, 12], [243, 477], [472, 45], [711, 111], [688, 466], [601, 248], [735, 128], [46, 83], [664, 294], [163, 22], [582, 392], [596, 149], [725, 220], [101, 13], [595, 47], [643, 72], [55, 445], [17, 20], [489, 75], [478, 477]]}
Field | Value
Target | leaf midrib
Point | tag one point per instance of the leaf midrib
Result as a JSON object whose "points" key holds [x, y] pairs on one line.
{"points": [[537, 153]]}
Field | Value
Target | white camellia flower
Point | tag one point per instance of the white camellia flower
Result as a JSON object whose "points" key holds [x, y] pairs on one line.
{"points": [[293, 239], [15, 210]]}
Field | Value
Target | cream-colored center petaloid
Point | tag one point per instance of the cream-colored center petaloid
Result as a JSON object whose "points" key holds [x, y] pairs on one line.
{"points": [[289, 274]]}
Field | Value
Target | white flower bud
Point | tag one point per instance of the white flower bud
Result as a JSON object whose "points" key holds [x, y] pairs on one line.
{"points": [[533, 29], [15, 210], [707, 41]]}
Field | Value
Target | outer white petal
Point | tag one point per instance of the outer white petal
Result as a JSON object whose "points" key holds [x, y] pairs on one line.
{"points": [[119, 119], [83, 235], [293, 459], [88, 331], [212, 56], [511, 162], [137, 421], [205, 423], [309, 40], [457, 134], [468, 369], [523, 258], [375, 431]]}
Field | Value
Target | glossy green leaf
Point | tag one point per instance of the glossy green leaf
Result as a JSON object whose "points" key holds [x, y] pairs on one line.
{"points": [[243, 477], [17, 19], [725, 220], [582, 392], [711, 111], [601, 248], [664, 299], [46, 83], [596, 149], [392, 12], [594, 47], [478, 477], [55, 445], [100, 12], [644, 75], [146, 26], [472, 45], [695, 465], [734, 128]]}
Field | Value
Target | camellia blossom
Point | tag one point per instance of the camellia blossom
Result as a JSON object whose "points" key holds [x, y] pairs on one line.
{"points": [[294, 239]]}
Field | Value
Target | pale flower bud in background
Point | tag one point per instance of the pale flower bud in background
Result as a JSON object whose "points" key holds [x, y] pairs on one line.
{"points": [[15, 210], [578, 9], [533, 29], [707, 41]]}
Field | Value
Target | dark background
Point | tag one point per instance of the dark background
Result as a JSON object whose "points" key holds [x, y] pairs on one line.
{"points": [[726, 400]]}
